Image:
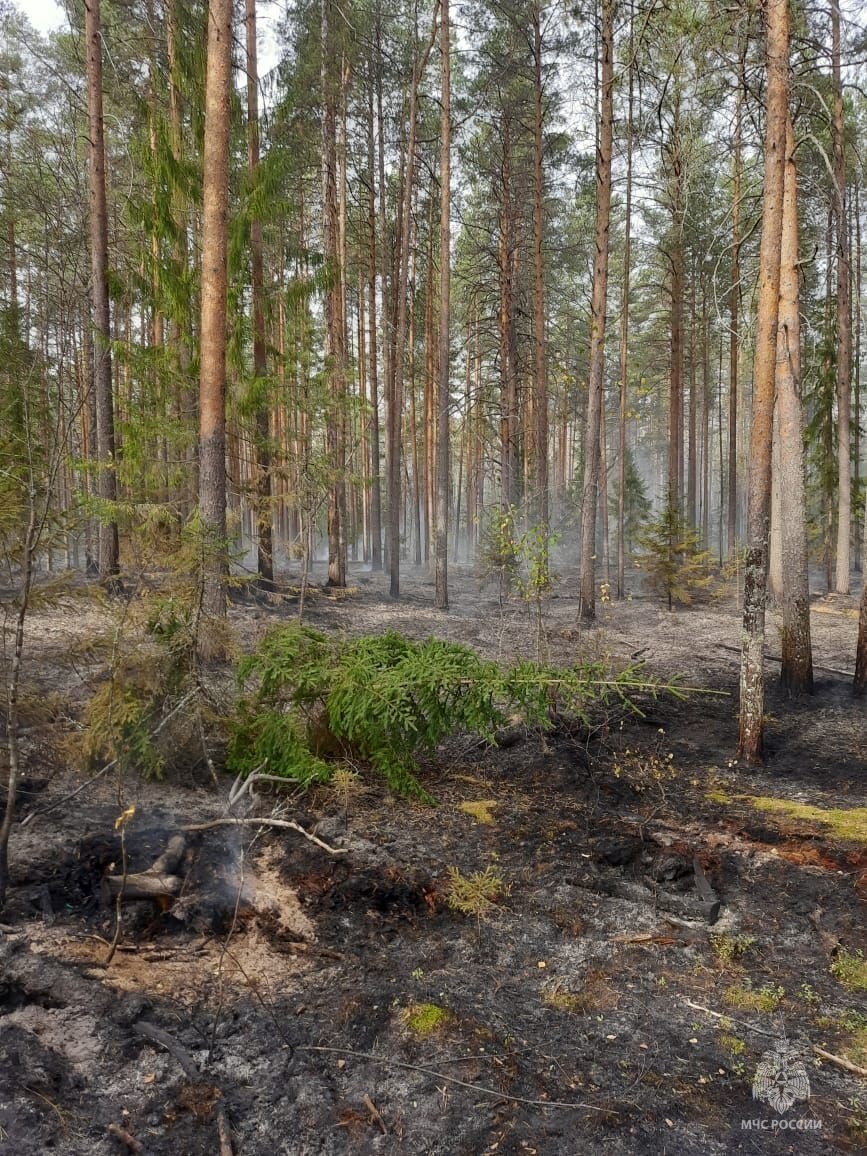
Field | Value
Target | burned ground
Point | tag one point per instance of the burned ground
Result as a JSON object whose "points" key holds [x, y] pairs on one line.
{"points": [[596, 1001]]}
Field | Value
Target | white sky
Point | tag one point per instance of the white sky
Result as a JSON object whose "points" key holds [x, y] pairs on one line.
{"points": [[49, 15], [44, 15]]}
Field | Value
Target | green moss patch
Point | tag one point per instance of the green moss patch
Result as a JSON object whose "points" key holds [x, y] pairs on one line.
{"points": [[422, 1019], [845, 824]]}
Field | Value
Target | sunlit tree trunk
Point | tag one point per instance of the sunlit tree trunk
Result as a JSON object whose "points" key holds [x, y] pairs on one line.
{"points": [[752, 690], [212, 358], [599, 303], [105, 440]]}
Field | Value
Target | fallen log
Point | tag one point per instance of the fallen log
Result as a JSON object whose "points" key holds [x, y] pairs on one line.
{"points": [[145, 885], [159, 881], [778, 658]]}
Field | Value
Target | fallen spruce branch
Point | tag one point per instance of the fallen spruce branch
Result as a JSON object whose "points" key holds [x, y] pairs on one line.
{"points": [[577, 1105], [191, 1070], [283, 824]]}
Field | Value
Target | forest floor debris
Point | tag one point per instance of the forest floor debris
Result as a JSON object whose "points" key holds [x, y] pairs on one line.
{"points": [[589, 1007]]}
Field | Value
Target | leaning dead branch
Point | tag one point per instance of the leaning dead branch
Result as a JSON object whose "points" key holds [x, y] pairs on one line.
{"points": [[828, 1057], [283, 824]]}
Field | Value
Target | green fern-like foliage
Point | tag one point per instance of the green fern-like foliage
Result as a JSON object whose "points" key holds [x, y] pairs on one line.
{"points": [[387, 699]]}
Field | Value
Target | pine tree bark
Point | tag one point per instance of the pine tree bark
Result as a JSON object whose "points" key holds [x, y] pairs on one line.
{"points": [[443, 391], [212, 358], [102, 383], [260, 360], [844, 322], [335, 330], [396, 400], [624, 330], [796, 674], [506, 260], [752, 690], [734, 314], [675, 418], [599, 306], [538, 504], [372, 360]]}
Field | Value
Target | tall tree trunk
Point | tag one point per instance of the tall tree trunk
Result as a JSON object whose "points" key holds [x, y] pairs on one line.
{"points": [[796, 673], [624, 331], [844, 322], [105, 440], [335, 330], [260, 364], [443, 391], [599, 306], [506, 254], [212, 358], [395, 413], [675, 418], [734, 312], [180, 322], [692, 411], [376, 487], [752, 689], [538, 505], [856, 391]]}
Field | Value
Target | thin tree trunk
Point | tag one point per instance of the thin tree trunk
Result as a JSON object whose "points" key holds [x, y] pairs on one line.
{"points": [[752, 689], [734, 311], [335, 329], [624, 332], [105, 440], [538, 504], [598, 310], [212, 360], [396, 401], [844, 322], [796, 673], [376, 488], [675, 420], [443, 391], [260, 363], [508, 364], [856, 391], [692, 411]]}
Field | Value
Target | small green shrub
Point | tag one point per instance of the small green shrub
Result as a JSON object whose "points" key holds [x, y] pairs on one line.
{"points": [[850, 968], [476, 893]]}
